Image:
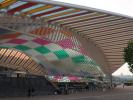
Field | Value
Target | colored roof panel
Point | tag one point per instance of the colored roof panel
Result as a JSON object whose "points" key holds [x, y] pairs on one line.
{"points": [[6, 3], [66, 43], [29, 9], [19, 8], [47, 10], [22, 47], [16, 4], [38, 9], [9, 36], [61, 54], [42, 50], [41, 41], [45, 13], [78, 59], [57, 13], [17, 41]]}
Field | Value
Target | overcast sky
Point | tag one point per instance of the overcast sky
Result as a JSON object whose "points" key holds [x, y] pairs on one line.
{"points": [[124, 7], [123, 70]]}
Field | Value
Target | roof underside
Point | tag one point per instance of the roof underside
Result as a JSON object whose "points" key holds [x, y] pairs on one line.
{"points": [[110, 32], [19, 61], [43, 56]]}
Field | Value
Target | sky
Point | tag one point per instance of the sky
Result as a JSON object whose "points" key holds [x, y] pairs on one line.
{"points": [[124, 7], [123, 70]]}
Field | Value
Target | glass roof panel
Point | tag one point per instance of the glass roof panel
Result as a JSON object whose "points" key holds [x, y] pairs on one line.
{"points": [[57, 12], [33, 7], [17, 4], [43, 11]]}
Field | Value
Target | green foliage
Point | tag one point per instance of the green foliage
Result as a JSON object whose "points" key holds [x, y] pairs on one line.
{"points": [[128, 55]]}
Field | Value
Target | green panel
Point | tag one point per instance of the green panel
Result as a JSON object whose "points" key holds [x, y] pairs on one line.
{"points": [[42, 50], [61, 54], [3, 47], [79, 59], [22, 47]]}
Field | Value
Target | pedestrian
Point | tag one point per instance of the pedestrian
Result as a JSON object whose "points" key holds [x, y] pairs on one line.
{"points": [[32, 91], [123, 85], [29, 92]]}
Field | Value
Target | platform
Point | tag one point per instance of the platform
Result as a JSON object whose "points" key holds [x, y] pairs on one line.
{"points": [[118, 93]]}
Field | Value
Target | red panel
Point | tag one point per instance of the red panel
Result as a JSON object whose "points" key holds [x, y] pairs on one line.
{"points": [[12, 11], [8, 36], [45, 31], [69, 16], [41, 41], [49, 12]]}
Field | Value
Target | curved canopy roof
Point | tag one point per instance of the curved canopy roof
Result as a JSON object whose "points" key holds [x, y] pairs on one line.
{"points": [[37, 55], [110, 32]]}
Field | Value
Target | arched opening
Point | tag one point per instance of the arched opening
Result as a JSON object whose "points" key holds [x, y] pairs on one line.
{"points": [[21, 75], [15, 61]]}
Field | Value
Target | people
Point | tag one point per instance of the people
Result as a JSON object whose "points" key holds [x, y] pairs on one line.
{"points": [[66, 89], [123, 85], [30, 91]]}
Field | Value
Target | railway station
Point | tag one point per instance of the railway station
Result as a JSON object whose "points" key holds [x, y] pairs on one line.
{"points": [[50, 48]]}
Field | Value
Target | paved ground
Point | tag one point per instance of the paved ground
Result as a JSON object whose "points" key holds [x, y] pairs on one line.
{"points": [[116, 94]]}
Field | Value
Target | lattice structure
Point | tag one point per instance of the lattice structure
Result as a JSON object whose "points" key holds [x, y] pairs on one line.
{"points": [[19, 61], [61, 60], [44, 36]]}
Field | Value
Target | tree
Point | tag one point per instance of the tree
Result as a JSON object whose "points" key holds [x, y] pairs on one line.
{"points": [[128, 55]]}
